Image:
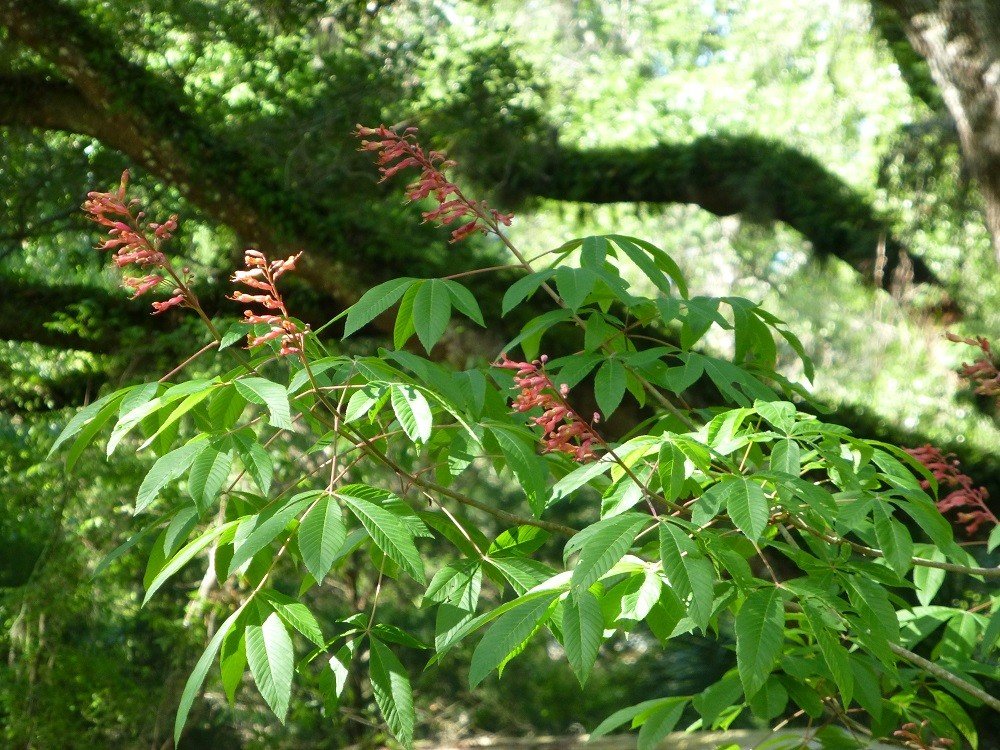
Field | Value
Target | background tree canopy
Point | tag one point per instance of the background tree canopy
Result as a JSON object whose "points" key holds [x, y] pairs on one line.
{"points": [[838, 160]]}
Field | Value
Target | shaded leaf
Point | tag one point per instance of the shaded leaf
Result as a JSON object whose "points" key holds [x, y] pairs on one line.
{"points": [[583, 631], [392, 691], [759, 637]]}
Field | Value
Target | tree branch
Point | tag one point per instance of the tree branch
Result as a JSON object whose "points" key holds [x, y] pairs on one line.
{"points": [[761, 179], [40, 101], [943, 674], [961, 43], [146, 118], [136, 112]]}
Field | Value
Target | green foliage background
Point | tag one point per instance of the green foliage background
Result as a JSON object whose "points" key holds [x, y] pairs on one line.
{"points": [[491, 83]]}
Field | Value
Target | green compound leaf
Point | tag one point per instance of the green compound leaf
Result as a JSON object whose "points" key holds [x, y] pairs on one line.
{"points": [[835, 655], [374, 302], [209, 472], [759, 637], [583, 631], [606, 544], [197, 678], [166, 469], [272, 662], [392, 691], [266, 526], [688, 571], [390, 534], [507, 634], [321, 534], [465, 302], [431, 312], [296, 615], [412, 411], [270, 394], [523, 288], [747, 506], [609, 386]]}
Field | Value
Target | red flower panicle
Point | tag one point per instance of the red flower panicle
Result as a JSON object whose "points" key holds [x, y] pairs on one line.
{"points": [[262, 275], [562, 428], [136, 241], [397, 152], [983, 374], [969, 501]]}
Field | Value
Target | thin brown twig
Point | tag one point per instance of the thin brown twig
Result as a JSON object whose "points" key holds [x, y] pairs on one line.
{"points": [[944, 675], [876, 553], [372, 450], [189, 360]]}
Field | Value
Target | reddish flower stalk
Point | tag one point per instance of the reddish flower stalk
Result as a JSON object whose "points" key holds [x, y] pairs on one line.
{"points": [[970, 502], [397, 152], [138, 242], [983, 374], [262, 275], [563, 430], [912, 735]]}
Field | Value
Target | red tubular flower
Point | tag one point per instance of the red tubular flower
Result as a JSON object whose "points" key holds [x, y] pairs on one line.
{"points": [[129, 238], [983, 374], [563, 430], [175, 301], [963, 497], [141, 285], [263, 275], [912, 735], [397, 152]]}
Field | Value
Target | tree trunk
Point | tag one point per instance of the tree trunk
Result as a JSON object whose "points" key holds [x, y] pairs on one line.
{"points": [[960, 39]]}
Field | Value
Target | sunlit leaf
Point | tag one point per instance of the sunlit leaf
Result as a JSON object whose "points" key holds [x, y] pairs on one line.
{"points": [[272, 662]]}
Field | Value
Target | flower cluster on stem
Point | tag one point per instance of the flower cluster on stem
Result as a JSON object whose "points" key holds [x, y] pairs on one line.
{"points": [[912, 735], [969, 501], [563, 430], [138, 242], [983, 374], [262, 276], [399, 151]]}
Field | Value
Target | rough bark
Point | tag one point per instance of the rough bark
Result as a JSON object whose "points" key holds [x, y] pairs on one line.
{"points": [[912, 67], [960, 39]]}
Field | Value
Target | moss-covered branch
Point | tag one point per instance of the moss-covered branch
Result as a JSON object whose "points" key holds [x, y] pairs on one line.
{"points": [[146, 117], [72, 316], [761, 179]]}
